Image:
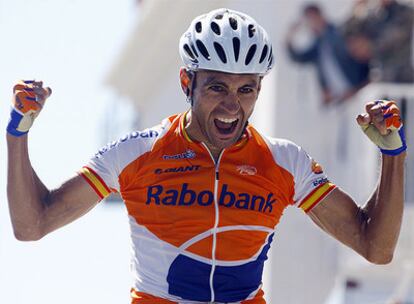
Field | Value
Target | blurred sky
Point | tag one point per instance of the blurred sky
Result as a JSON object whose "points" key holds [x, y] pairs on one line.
{"points": [[70, 45]]}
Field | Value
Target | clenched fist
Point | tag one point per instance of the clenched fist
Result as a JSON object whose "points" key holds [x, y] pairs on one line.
{"points": [[383, 125], [29, 97]]}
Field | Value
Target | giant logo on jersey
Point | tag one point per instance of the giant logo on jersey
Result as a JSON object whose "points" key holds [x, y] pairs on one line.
{"points": [[179, 169], [184, 196]]}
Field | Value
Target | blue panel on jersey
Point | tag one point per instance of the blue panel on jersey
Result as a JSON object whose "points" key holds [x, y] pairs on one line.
{"points": [[236, 283], [189, 279]]}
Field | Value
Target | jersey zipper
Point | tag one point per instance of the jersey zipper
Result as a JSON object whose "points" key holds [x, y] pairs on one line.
{"points": [[216, 219]]}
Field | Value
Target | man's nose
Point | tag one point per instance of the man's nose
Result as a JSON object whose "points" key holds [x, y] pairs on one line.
{"points": [[232, 103]]}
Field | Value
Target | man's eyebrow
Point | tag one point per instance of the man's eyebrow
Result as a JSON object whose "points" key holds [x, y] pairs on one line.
{"points": [[213, 79], [252, 83]]}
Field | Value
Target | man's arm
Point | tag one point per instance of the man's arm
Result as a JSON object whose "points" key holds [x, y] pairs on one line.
{"points": [[35, 210], [371, 230]]}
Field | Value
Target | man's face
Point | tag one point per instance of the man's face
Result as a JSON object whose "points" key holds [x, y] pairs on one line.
{"points": [[315, 21], [222, 104]]}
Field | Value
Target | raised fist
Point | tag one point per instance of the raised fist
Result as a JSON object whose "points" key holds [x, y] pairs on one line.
{"points": [[383, 125], [28, 99]]}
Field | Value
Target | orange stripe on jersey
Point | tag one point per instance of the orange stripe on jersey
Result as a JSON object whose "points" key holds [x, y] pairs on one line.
{"points": [[145, 298], [258, 299], [316, 196], [96, 182]]}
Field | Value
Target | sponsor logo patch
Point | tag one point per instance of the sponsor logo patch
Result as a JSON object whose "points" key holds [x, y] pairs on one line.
{"points": [[177, 169], [188, 154], [320, 181], [246, 170], [184, 196]]}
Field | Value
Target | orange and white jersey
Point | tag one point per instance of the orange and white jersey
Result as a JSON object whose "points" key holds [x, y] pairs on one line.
{"points": [[201, 229]]}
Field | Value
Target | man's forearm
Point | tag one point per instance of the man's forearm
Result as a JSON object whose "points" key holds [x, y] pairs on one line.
{"points": [[25, 191], [385, 209]]}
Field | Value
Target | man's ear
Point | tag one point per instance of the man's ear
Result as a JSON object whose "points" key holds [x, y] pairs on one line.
{"points": [[185, 80]]}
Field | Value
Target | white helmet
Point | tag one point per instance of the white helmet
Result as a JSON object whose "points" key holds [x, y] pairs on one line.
{"points": [[227, 41]]}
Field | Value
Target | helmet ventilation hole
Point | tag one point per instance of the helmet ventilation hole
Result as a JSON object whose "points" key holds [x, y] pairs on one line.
{"points": [[218, 17], [194, 49], [264, 53], [250, 54], [198, 27], [190, 53], [215, 28], [251, 30], [236, 48], [203, 49], [220, 52], [270, 61], [233, 23]]}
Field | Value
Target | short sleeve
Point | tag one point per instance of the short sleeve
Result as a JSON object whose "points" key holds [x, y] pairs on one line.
{"points": [[102, 170], [311, 182]]}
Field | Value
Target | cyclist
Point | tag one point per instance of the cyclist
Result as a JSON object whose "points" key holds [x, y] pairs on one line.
{"points": [[204, 190]]}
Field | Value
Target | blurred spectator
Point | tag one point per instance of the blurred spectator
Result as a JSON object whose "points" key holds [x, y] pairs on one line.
{"points": [[340, 74], [388, 25], [355, 31]]}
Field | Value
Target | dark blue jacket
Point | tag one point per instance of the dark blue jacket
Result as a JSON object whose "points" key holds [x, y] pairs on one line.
{"points": [[356, 72]]}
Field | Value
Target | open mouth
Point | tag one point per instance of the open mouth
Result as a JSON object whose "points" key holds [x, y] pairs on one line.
{"points": [[225, 126]]}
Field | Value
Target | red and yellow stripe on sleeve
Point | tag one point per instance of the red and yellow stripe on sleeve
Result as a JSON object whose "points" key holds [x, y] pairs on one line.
{"points": [[95, 181], [316, 196]]}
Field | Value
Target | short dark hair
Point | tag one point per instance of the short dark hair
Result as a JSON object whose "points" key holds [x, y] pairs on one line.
{"points": [[312, 8]]}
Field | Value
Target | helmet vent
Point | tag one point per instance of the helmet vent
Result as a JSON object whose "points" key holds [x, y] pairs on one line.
{"points": [[236, 48], [264, 53], [198, 27], [194, 49], [215, 28], [250, 54], [270, 55], [189, 52], [271, 61], [220, 52], [203, 49], [219, 17], [251, 30], [233, 23]]}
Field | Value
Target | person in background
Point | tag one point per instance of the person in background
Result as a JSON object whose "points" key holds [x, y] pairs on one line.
{"points": [[389, 26], [340, 74], [355, 32]]}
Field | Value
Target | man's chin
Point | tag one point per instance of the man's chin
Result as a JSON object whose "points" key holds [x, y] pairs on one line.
{"points": [[224, 143]]}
